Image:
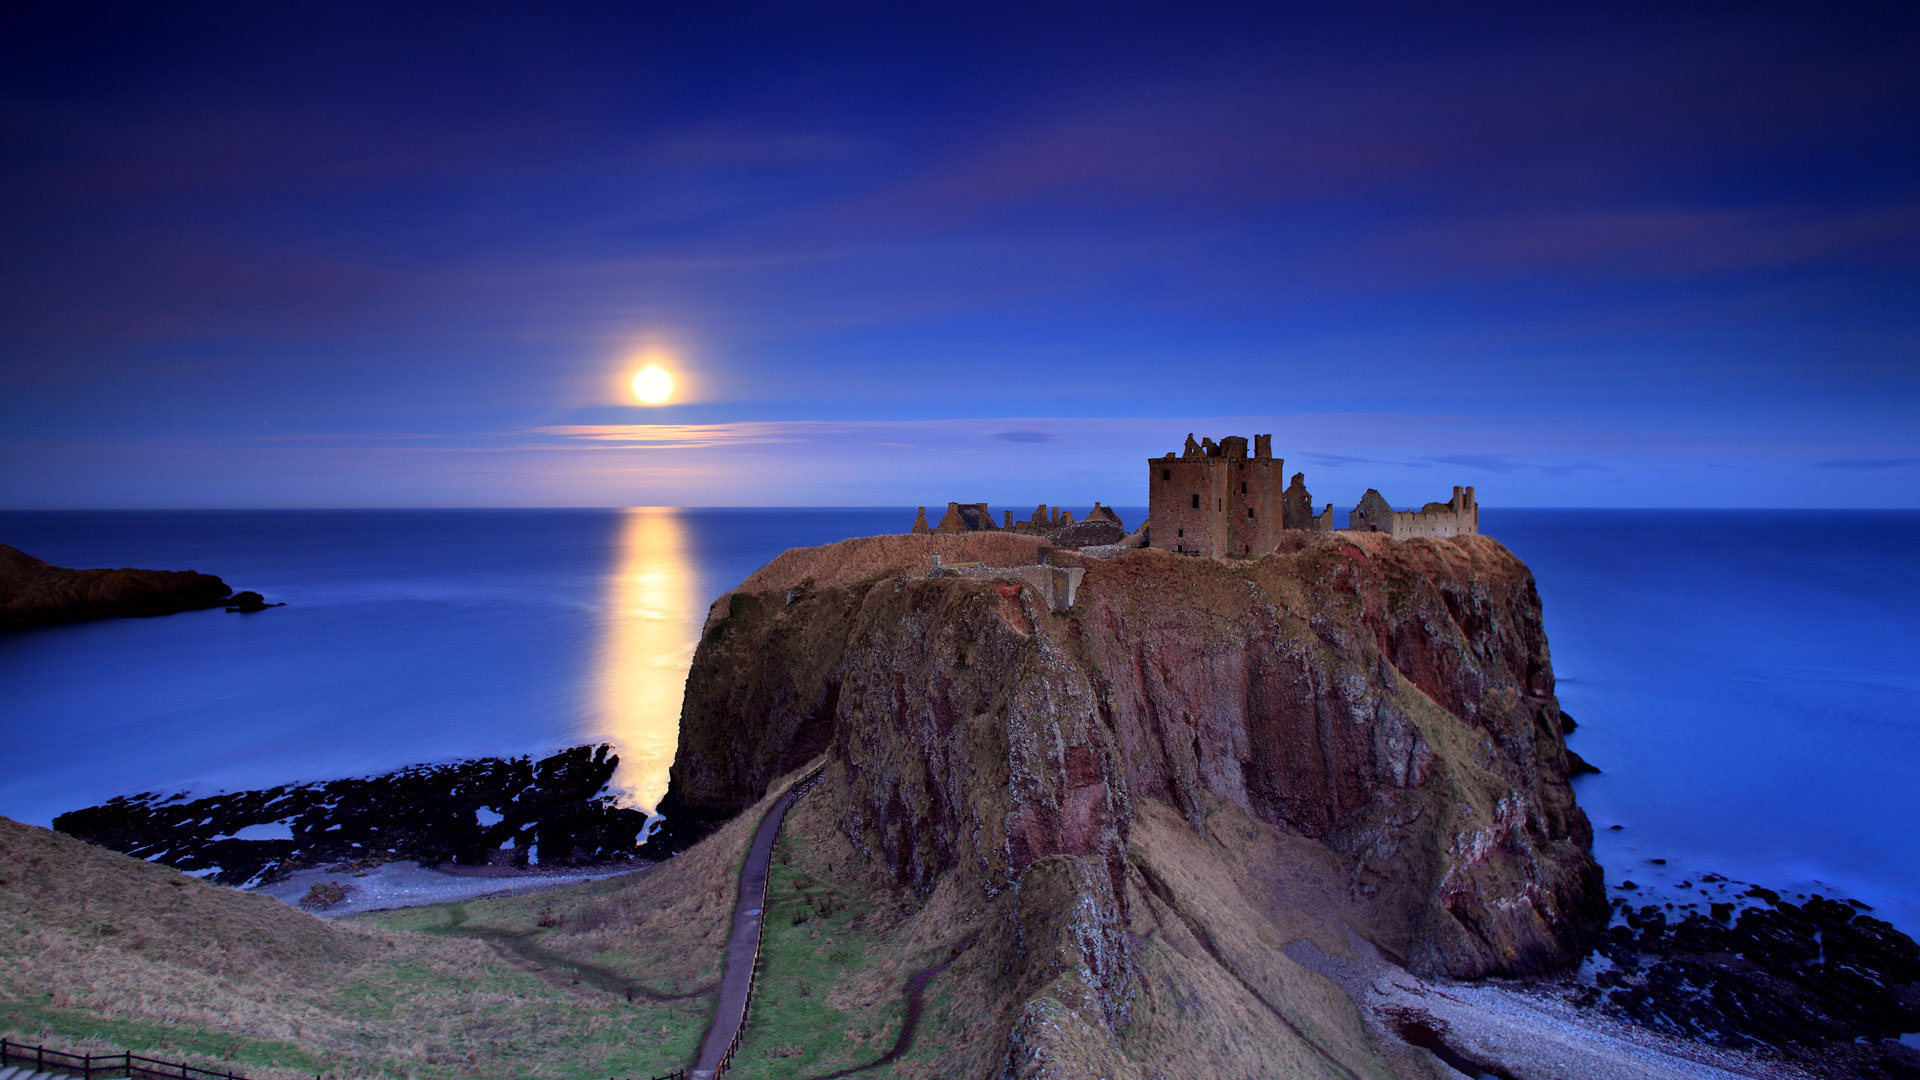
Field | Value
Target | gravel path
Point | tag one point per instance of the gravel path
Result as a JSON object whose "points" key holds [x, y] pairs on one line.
{"points": [[406, 884]]}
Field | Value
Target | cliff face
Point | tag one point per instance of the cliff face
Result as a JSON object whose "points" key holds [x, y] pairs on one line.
{"points": [[1392, 701], [35, 593]]}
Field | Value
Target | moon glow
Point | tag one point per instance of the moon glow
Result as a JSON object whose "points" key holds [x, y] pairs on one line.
{"points": [[653, 384]]}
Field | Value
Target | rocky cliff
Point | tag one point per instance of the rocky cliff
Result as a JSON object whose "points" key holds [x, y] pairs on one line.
{"points": [[35, 593], [1390, 704]]}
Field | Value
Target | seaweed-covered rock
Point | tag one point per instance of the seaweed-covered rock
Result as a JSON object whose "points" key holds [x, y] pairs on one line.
{"points": [[1819, 980], [489, 810]]}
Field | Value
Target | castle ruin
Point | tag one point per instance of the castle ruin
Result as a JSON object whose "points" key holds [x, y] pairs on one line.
{"points": [[1459, 516], [1216, 499], [1100, 526]]}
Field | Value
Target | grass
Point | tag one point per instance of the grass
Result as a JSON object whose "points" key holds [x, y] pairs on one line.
{"points": [[821, 1002], [102, 953]]}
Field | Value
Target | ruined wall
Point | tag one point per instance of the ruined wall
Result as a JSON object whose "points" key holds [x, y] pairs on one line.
{"points": [[1056, 586], [1296, 505], [1459, 516], [965, 517], [1046, 521]]}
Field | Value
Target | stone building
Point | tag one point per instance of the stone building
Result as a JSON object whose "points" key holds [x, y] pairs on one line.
{"points": [[1100, 526], [1217, 499], [959, 518], [1459, 516]]}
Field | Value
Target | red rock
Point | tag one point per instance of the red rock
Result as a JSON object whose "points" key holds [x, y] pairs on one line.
{"points": [[1391, 700]]}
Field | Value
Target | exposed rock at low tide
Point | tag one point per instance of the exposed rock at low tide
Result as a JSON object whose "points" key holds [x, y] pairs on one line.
{"points": [[1821, 982], [246, 603], [36, 593], [490, 810]]}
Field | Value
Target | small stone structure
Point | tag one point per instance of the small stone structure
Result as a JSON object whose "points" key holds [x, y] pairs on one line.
{"points": [[1100, 526], [1057, 585], [1459, 516]]}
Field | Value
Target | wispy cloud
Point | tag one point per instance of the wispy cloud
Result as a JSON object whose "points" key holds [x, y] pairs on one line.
{"points": [[1505, 464], [1026, 436], [683, 436], [1334, 461], [1868, 463]]}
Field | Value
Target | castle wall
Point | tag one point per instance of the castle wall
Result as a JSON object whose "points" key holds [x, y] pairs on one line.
{"points": [[1183, 500], [1217, 500], [1251, 507], [1459, 516]]}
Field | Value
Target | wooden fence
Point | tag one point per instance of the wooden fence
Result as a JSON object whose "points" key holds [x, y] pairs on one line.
{"points": [[135, 1067], [44, 1059], [800, 790]]}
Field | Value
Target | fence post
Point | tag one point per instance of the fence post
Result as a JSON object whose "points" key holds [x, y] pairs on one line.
{"points": [[86, 1067]]}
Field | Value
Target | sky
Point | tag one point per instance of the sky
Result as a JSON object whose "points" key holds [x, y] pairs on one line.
{"points": [[397, 255]]}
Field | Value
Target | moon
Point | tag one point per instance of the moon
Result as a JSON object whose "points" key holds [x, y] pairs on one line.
{"points": [[653, 384]]}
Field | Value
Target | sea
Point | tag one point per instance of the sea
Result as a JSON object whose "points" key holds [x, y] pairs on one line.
{"points": [[1748, 682]]}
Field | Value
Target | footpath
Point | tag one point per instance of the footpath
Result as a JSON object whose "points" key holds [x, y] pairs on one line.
{"points": [[743, 943]]}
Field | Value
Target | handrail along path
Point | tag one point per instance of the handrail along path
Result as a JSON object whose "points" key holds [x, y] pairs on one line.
{"points": [[743, 943]]}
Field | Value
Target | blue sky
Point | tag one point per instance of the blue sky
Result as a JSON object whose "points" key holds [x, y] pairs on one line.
{"points": [[346, 256]]}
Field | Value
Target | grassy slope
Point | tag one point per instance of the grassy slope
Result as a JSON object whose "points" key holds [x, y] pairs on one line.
{"points": [[99, 951], [841, 942], [103, 951]]}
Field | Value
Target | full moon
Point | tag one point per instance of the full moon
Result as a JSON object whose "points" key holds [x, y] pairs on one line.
{"points": [[653, 384]]}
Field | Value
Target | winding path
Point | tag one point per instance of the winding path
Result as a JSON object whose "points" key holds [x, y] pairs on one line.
{"points": [[916, 992], [521, 943], [743, 944]]}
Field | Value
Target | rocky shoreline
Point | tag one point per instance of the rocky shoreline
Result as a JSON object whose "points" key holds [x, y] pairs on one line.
{"points": [[1822, 983], [1386, 708], [515, 812], [37, 593]]}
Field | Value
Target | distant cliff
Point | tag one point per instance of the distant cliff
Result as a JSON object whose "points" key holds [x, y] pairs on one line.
{"points": [[1393, 701], [35, 593]]}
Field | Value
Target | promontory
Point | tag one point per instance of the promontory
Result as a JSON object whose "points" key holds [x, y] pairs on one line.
{"points": [[1129, 805], [36, 593]]}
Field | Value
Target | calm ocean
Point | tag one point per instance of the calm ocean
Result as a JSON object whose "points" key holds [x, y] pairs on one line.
{"points": [[1749, 682]]}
